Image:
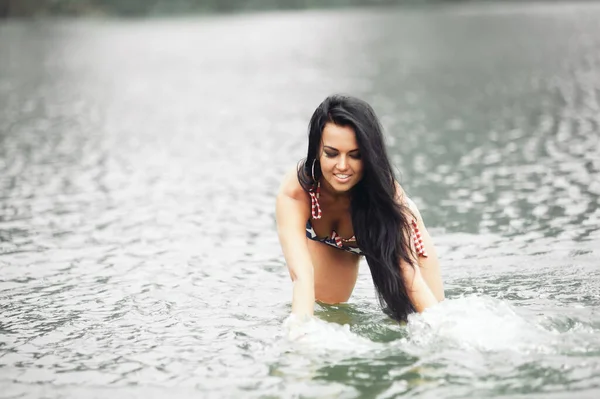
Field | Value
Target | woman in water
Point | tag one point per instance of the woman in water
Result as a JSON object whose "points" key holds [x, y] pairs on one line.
{"points": [[343, 202]]}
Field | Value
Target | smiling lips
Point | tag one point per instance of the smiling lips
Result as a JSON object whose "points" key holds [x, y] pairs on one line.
{"points": [[342, 178]]}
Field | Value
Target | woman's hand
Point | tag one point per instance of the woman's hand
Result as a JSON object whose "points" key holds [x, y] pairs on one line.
{"points": [[296, 326]]}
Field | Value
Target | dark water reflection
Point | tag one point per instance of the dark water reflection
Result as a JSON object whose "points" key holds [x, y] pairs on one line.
{"points": [[497, 118], [138, 165]]}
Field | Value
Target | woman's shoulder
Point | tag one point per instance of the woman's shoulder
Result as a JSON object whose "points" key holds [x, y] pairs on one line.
{"points": [[404, 199], [290, 186]]}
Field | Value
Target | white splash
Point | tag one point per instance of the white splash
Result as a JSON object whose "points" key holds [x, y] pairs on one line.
{"points": [[476, 323], [321, 337]]}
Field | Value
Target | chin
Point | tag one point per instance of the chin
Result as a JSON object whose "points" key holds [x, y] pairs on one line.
{"points": [[341, 187]]}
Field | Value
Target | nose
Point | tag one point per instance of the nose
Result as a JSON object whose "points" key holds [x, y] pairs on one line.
{"points": [[343, 163]]}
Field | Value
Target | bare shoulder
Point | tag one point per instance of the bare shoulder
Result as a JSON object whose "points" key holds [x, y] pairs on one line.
{"points": [[404, 199], [292, 205], [290, 187], [400, 194]]}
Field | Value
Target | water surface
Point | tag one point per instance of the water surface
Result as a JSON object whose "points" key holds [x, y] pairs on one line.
{"points": [[139, 162]]}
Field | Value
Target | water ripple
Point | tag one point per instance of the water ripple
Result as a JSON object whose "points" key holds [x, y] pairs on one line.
{"points": [[139, 162]]}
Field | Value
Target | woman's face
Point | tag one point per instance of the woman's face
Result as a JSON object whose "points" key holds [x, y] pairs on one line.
{"points": [[340, 157]]}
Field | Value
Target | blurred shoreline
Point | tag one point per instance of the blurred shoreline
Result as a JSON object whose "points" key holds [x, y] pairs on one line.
{"points": [[19, 9]]}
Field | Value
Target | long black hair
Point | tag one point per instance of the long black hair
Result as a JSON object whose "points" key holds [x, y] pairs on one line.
{"points": [[381, 224]]}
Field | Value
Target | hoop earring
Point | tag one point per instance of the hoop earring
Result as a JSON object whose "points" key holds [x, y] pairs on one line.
{"points": [[313, 170]]}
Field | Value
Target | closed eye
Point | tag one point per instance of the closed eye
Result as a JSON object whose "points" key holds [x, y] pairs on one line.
{"points": [[335, 154]]}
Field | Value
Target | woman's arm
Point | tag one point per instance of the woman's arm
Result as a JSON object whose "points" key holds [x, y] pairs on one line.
{"points": [[424, 282], [418, 291], [429, 266], [292, 212]]}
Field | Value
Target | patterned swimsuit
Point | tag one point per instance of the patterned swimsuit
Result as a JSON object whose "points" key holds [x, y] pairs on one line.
{"points": [[335, 240], [338, 242]]}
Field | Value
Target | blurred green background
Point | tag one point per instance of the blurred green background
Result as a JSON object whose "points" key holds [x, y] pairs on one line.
{"points": [[36, 8]]}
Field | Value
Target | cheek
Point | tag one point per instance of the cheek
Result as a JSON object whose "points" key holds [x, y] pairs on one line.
{"points": [[326, 164], [358, 167]]}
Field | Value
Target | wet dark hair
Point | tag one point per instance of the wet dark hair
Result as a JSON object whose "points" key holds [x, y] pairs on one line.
{"points": [[381, 224]]}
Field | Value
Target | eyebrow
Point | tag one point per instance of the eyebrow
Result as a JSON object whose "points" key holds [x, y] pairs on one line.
{"points": [[335, 149]]}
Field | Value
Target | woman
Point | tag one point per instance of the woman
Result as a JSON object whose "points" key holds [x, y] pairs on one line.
{"points": [[343, 202]]}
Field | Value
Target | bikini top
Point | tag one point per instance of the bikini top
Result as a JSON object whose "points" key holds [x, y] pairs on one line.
{"points": [[341, 243], [335, 240]]}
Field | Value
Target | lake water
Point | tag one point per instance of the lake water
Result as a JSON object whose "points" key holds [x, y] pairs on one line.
{"points": [[139, 162]]}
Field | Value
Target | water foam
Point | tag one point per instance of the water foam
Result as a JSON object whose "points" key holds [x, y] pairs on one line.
{"points": [[322, 337], [475, 323]]}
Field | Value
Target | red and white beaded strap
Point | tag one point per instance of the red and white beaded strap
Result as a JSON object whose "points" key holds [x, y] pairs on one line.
{"points": [[339, 241], [419, 247], [314, 202]]}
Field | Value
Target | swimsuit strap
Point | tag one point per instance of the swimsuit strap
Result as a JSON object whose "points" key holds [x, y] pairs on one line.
{"points": [[416, 235], [314, 202], [339, 241]]}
